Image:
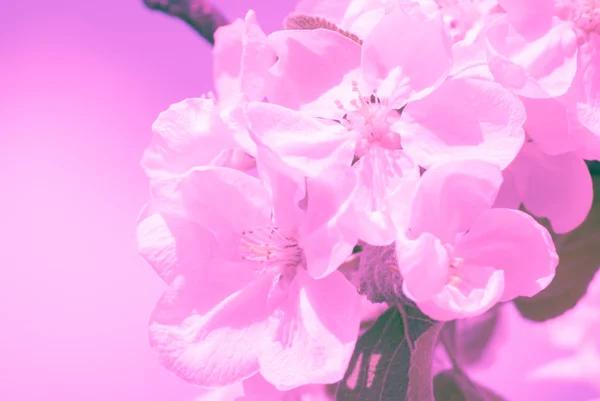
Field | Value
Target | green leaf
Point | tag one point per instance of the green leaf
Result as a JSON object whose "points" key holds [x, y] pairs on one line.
{"points": [[391, 362], [452, 385], [579, 253]]}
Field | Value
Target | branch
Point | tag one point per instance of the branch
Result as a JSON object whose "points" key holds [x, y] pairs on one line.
{"points": [[201, 15]]}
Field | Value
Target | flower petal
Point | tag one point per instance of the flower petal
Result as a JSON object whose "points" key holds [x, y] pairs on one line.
{"points": [[538, 67], [314, 338], [223, 200], [509, 196], [303, 142], [452, 195], [585, 92], [287, 187], [206, 344], [534, 17], [557, 187], [257, 58], [227, 59], [328, 233], [172, 244], [452, 303], [513, 242], [387, 180], [424, 264], [548, 125], [462, 119], [256, 388], [425, 59], [188, 134], [310, 62]]}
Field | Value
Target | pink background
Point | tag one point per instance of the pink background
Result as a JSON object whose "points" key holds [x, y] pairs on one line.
{"points": [[81, 83]]}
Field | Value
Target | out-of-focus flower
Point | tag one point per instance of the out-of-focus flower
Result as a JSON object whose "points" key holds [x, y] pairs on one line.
{"points": [[576, 331]]}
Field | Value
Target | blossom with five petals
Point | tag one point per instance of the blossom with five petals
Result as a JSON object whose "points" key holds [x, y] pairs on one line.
{"points": [[252, 280], [458, 256]]}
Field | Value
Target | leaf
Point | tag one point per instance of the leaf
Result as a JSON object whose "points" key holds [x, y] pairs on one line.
{"points": [[420, 383], [579, 253], [452, 385], [383, 367], [469, 338], [304, 22]]}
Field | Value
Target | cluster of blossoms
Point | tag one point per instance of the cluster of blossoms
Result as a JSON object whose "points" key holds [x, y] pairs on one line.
{"points": [[421, 125]]}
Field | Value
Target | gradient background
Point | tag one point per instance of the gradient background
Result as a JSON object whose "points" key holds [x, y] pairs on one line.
{"points": [[81, 83]]}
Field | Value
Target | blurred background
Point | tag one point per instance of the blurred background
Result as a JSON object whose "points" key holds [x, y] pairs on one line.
{"points": [[80, 84]]}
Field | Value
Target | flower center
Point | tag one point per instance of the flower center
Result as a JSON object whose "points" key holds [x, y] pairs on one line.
{"points": [[455, 278], [369, 117], [268, 247]]}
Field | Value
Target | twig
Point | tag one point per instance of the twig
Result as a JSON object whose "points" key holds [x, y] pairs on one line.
{"points": [[201, 15]]}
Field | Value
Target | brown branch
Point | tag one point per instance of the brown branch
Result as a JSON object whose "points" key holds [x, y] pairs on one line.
{"points": [[201, 15]]}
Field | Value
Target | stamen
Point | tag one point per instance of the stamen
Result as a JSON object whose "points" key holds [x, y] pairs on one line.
{"points": [[457, 278], [367, 117], [269, 247]]}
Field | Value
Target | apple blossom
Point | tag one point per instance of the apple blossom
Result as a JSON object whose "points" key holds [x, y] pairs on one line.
{"points": [[399, 116], [242, 296], [458, 256]]}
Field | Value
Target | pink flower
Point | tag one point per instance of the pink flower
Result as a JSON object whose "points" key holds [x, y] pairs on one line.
{"points": [[400, 112], [206, 131], [458, 256], [534, 46], [549, 176], [253, 286]]}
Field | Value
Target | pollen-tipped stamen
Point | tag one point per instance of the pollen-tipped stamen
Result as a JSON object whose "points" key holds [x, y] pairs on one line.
{"points": [[268, 246]]}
